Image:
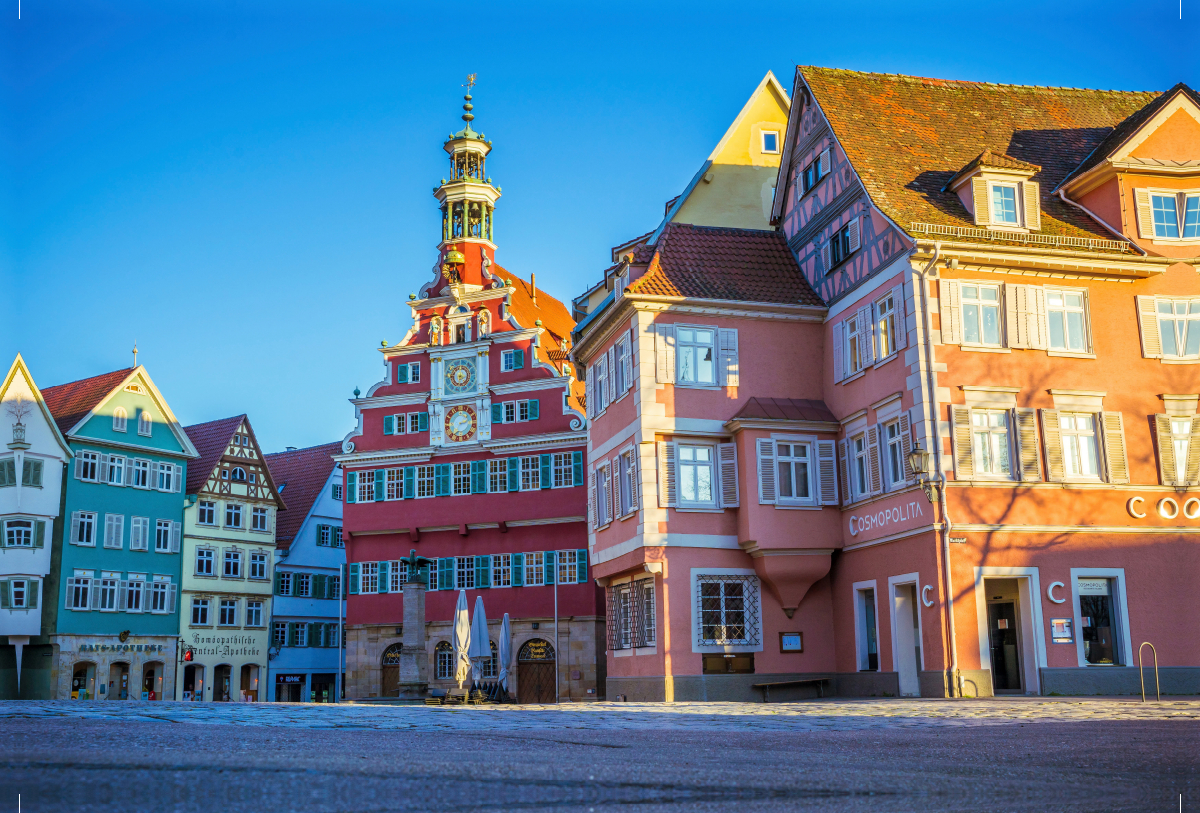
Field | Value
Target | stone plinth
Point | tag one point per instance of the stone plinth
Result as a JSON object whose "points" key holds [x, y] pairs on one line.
{"points": [[414, 665]]}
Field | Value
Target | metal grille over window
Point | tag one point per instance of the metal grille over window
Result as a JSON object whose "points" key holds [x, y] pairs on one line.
{"points": [[729, 610], [631, 615]]}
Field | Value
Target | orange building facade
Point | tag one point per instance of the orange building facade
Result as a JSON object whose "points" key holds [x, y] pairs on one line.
{"points": [[937, 433]]}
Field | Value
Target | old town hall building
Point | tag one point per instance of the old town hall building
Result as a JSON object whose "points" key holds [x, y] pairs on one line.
{"points": [[470, 451]]}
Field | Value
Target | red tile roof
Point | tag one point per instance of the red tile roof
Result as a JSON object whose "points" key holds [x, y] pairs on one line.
{"points": [[211, 440], [301, 474], [987, 158], [70, 403], [711, 262], [907, 136], [785, 409]]}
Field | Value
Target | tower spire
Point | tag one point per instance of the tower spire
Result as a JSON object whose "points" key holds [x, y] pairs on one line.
{"points": [[468, 116]]}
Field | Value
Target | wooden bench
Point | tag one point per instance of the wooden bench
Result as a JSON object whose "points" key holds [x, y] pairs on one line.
{"points": [[766, 687]]}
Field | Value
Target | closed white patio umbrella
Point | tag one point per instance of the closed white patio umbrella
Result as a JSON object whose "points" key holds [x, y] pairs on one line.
{"points": [[481, 647], [504, 655], [462, 639]]}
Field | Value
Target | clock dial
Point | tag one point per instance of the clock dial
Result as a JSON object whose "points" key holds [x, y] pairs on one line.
{"points": [[460, 375], [460, 423]]}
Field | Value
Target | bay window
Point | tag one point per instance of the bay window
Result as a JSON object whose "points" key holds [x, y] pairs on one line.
{"points": [[795, 472]]}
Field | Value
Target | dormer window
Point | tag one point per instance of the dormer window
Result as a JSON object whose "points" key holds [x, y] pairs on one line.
{"points": [[1171, 215], [1004, 204], [996, 189]]}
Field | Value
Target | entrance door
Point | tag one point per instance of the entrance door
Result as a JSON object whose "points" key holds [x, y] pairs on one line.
{"points": [[535, 672], [390, 683], [118, 681], [249, 683], [83, 681], [152, 678], [906, 647], [221, 686], [1002, 637]]}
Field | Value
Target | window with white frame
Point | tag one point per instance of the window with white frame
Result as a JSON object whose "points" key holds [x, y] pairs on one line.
{"points": [[508, 361], [79, 593], [1004, 204], [464, 572], [695, 350], [108, 594], [228, 613], [369, 577], [600, 372], [206, 513], [204, 561], [18, 593], [145, 423], [842, 244], [200, 612], [139, 533], [563, 466], [1065, 320], [694, 471], [301, 633], [1179, 327], [1080, 452], [394, 484], [414, 422], [626, 483], [87, 466], [1098, 620], [426, 476], [980, 314], [1166, 208], [120, 419], [141, 474], [19, 533], [603, 497], [233, 515], [990, 442], [814, 171], [488, 668], [621, 361], [116, 470], [794, 462], [770, 141], [729, 612], [279, 633], [233, 563], [258, 565], [568, 566], [166, 477], [162, 536], [85, 533], [159, 592], [523, 412], [502, 570], [894, 461], [860, 466], [853, 351], [643, 594], [535, 568], [133, 593], [398, 574], [497, 476], [443, 658], [258, 519], [366, 486], [333, 586], [509, 412], [254, 613], [531, 473], [886, 326], [285, 582], [337, 491], [303, 584], [462, 478], [238, 474]]}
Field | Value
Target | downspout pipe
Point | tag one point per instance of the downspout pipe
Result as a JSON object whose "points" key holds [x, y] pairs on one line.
{"points": [[1102, 222], [936, 443]]}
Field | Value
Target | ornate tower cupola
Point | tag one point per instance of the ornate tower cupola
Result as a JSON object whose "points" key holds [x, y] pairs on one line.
{"points": [[468, 202]]}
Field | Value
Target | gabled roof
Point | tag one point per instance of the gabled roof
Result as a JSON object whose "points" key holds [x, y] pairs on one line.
{"points": [[784, 409], [710, 262], [20, 368], [71, 403], [211, 440], [1127, 128], [995, 160], [907, 136], [302, 475]]}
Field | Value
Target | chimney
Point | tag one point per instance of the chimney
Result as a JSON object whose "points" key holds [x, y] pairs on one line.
{"points": [[533, 287]]}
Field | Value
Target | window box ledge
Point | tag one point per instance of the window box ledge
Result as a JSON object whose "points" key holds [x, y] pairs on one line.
{"points": [[976, 348], [1069, 354]]}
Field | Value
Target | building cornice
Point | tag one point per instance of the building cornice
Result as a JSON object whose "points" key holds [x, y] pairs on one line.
{"points": [[528, 443], [131, 447], [1039, 261], [472, 526], [551, 383], [375, 402], [418, 454], [775, 425]]}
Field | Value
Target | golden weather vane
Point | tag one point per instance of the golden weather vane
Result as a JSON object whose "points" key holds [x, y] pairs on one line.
{"points": [[470, 82]]}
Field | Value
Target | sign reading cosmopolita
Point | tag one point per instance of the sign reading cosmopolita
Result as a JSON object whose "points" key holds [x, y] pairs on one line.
{"points": [[890, 519]]}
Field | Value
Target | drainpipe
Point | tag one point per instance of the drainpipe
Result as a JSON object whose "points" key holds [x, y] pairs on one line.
{"points": [[936, 443], [1102, 222]]}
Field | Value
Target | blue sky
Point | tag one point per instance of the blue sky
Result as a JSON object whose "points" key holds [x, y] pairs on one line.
{"points": [[245, 188]]}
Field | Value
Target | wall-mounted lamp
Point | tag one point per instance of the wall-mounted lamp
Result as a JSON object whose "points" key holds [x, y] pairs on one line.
{"points": [[920, 462]]}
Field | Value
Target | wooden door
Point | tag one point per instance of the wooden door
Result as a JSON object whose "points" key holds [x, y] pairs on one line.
{"points": [[535, 682]]}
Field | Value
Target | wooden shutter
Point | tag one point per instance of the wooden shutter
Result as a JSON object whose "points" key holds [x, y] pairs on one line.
{"points": [[379, 485], [1016, 310], [666, 474], [873, 463], [1029, 457], [176, 535], [127, 480], [101, 469], [593, 499], [581, 566], [178, 478], [983, 206], [351, 490], [401, 373], [514, 474], [549, 572], [1145, 214], [627, 361], [172, 594], [410, 482], [664, 354], [827, 472], [39, 533], [844, 465], [354, 568], [577, 468], [1031, 194], [1039, 331], [727, 465], [906, 447], [825, 262], [866, 335], [1148, 318], [1166, 449], [479, 477], [78, 467], [1116, 460], [589, 391], [823, 162], [497, 413], [31, 594], [1052, 437], [546, 470], [483, 571], [389, 424], [1192, 471], [74, 538], [949, 300], [94, 595], [635, 481], [852, 233], [384, 573], [441, 480], [518, 359], [446, 573], [728, 367], [611, 369], [4, 600], [765, 448], [839, 365], [964, 455], [422, 421], [535, 409], [901, 337]]}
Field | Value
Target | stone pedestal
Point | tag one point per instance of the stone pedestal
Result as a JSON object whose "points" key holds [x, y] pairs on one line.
{"points": [[414, 663]]}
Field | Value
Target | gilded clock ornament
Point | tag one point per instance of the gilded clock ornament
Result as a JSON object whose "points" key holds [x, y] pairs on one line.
{"points": [[460, 375], [460, 423]]}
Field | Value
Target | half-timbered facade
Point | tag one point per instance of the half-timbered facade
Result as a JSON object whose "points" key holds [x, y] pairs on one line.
{"points": [[228, 558]]}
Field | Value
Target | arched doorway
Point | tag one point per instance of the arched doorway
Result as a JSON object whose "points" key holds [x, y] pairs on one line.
{"points": [[83, 681], [535, 672], [221, 683], [193, 682], [118, 681], [152, 680], [390, 684], [249, 683]]}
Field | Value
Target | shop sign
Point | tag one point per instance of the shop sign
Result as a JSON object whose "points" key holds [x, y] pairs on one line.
{"points": [[121, 648], [226, 646], [896, 518], [290, 679], [1167, 508]]}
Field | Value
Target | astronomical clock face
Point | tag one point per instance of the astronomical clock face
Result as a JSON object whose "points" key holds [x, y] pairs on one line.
{"points": [[460, 376], [460, 423]]}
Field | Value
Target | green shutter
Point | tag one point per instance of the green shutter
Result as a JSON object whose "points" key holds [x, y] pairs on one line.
{"points": [[441, 480], [354, 579], [423, 422], [4, 595], [514, 474], [548, 572], [534, 409], [518, 570], [378, 485], [312, 633], [31, 594], [384, 584], [479, 477], [3, 536], [351, 493], [497, 413], [577, 458], [295, 585], [518, 359], [320, 534], [581, 566], [389, 424], [410, 482], [327, 641], [292, 633], [277, 580], [547, 471], [401, 373], [483, 571], [318, 586], [445, 573]]}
